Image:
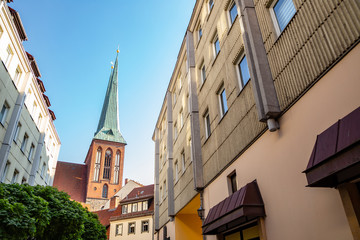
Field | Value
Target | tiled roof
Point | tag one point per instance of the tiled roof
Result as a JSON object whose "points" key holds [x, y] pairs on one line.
{"points": [[145, 192], [71, 178]]}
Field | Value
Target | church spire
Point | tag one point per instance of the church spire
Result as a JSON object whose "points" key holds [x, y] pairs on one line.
{"points": [[109, 127]]}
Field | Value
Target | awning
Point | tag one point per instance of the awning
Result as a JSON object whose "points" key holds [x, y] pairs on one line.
{"points": [[242, 206], [335, 158]]}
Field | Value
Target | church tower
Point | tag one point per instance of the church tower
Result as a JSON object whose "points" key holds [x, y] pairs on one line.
{"points": [[105, 158]]}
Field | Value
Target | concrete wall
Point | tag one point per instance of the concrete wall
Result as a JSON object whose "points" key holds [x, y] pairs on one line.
{"points": [[276, 161]]}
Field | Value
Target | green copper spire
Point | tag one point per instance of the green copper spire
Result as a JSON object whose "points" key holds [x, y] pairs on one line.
{"points": [[109, 128]]}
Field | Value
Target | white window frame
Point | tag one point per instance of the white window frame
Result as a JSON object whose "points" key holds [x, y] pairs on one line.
{"points": [[216, 39], [207, 125], [15, 176], [130, 226], [9, 56], [119, 229], [4, 112], [183, 160], [222, 105], [5, 172], [31, 152], [231, 5], [274, 18], [176, 171], [134, 207], [124, 209], [143, 224], [202, 73], [24, 142], [238, 71], [17, 75], [145, 205], [210, 6]]}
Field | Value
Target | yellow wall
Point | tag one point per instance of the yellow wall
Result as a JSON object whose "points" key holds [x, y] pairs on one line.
{"points": [[187, 226]]}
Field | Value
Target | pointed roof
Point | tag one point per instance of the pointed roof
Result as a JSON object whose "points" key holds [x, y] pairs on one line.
{"points": [[109, 127]]}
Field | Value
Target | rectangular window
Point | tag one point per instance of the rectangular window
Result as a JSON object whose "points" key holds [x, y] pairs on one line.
{"points": [[139, 206], [232, 13], [31, 152], [145, 226], [9, 55], [23, 181], [129, 208], [176, 171], [216, 44], [124, 209], [181, 118], [43, 170], [283, 11], [4, 111], [134, 207], [17, 130], [175, 131], [183, 160], [39, 120], [207, 124], [190, 146], [132, 228], [211, 4], [222, 102], [118, 229], [6, 169], [164, 189], [161, 194], [145, 205], [15, 176], [17, 74], [203, 73], [199, 33], [232, 182], [243, 72], [24, 142]]}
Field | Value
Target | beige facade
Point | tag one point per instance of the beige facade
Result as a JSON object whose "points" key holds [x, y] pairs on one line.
{"points": [[122, 229], [217, 130], [28, 138]]}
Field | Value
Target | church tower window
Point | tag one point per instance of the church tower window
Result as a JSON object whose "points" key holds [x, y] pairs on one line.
{"points": [[97, 165], [107, 164], [105, 191], [117, 168]]}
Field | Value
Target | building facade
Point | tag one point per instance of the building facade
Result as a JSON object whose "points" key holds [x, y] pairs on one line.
{"points": [[257, 87], [97, 181], [29, 143]]}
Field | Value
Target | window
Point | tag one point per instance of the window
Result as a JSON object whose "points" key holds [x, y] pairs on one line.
{"points": [[211, 4], [183, 160], [132, 228], [202, 73], [6, 169], [118, 229], [145, 205], [207, 124], [43, 170], [31, 152], [117, 168], [161, 194], [4, 112], [244, 74], [232, 13], [17, 74], [15, 176], [199, 33], [190, 146], [107, 163], [34, 108], [175, 131], [23, 180], [164, 189], [24, 142], [9, 55], [17, 130], [105, 191], [97, 165], [232, 182], [216, 45], [222, 102], [145, 226], [139, 206], [174, 97], [129, 208], [39, 120], [181, 118], [282, 11], [176, 171], [124, 209], [134, 207]]}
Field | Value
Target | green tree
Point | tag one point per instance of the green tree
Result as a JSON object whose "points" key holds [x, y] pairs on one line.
{"points": [[44, 213]]}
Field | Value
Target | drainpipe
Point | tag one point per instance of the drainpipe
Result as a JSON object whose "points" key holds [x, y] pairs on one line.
{"points": [[265, 95]]}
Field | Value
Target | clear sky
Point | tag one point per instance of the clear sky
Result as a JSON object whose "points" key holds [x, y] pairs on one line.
{"points": [[74, 42]]}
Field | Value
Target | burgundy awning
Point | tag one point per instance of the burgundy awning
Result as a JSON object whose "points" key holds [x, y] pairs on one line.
{"points": [[336, 155], [41, 85], [52, 114], [33, 65], [242, 206], [47, 100]]}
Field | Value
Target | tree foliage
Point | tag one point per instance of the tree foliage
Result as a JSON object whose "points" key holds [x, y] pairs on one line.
{"points": [[44, 213]]}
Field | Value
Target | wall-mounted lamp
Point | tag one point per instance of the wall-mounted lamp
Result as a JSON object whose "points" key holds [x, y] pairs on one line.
{"points": [[201, 212]]}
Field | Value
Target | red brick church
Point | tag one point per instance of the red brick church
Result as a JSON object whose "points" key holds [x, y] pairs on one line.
{"points": [[96, 181]]}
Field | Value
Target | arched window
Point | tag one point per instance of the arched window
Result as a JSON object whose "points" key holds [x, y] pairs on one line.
{"points": [[97, 165], [105, 191], [117, 167], [107, 164]]}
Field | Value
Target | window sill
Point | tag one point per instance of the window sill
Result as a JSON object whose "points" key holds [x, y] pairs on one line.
{"points": [[216, 57], [223, 116], [243, 88]]}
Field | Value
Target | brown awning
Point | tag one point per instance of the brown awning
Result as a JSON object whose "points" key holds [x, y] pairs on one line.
{"points": [[336, 155], [242, 206]]}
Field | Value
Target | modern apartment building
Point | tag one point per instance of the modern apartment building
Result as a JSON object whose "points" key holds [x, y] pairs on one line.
{"points": [[258, 134], [29, 143]]}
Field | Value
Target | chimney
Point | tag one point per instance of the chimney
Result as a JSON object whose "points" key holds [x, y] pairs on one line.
{"points": [[126, 181], [114, 202]]}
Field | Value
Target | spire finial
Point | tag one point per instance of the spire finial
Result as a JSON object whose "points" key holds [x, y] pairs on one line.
{"points": [[118, 49]]}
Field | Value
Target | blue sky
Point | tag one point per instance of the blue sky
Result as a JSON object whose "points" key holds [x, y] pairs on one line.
{"points": [[75, 41]]}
